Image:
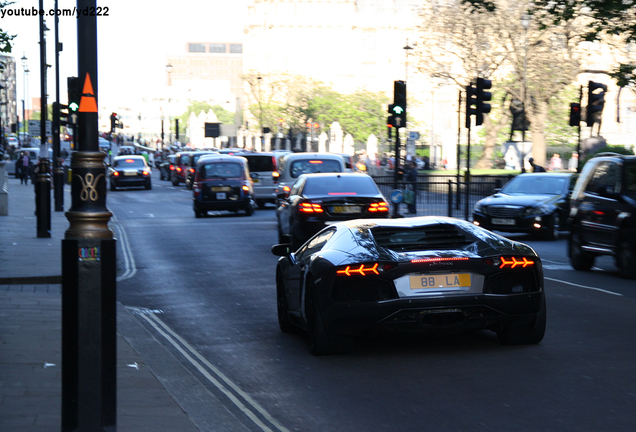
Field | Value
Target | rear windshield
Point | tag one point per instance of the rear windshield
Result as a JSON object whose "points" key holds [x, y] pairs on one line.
{"points": [[439, 236], [334, 186], [310, 166], [630, 179], [221, 170], [129, 163], [260, 163], [185, 159]]}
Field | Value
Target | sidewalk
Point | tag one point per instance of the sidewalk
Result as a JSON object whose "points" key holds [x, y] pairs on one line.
{"points": [[30, 334]]}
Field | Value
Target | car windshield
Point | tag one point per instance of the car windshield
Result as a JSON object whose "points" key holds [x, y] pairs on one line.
{"points": [[535, 185], [310, 166], [340, 185], [260, 163], [221, 170], [129, 163]]}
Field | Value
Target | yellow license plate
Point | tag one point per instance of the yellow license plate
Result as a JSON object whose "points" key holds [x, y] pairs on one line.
{"points": [[440, 281], [255, 181], [130, 173], [221, 189], [346, 209]]}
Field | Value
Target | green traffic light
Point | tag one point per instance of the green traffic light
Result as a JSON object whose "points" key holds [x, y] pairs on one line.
{"points": [[73, 106], [398, 109]]}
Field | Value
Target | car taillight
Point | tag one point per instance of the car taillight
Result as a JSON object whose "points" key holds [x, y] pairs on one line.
{"points": [[275, 176], [439, 259], [362, 270], [171, 167], [310, 208], [510, 262], [179, 169], [144, 172], [380, 207], [116, 174], [246, 189], [191, 170]]}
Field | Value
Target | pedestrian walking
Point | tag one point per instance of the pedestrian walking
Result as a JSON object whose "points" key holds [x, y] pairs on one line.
{"points": [[23, 164], [535, 167], [411, 185]]}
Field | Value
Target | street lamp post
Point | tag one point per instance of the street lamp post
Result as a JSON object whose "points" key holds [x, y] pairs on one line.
{"points": [[25, 71], [525, 22]]}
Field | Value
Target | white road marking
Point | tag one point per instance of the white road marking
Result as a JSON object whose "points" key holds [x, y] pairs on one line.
{"points": [[584, 286]]}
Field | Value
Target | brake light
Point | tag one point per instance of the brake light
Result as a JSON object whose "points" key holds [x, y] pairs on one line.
{"points": [[310, 208], [245, 188], [171, 167], [362, 270], [379, 207], [275, 176], [342, 193], [513, 262], [179, 169], [191, 170], [439, 259], [116, 174], [145, 173], [130, 161], [315, 161], [286, 189]]}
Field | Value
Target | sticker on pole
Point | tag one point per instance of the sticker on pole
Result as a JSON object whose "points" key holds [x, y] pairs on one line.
{"points": [[397, 196], [88, 102]]}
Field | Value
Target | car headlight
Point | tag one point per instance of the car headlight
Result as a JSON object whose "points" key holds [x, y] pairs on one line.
{"points": [[542, 209]]}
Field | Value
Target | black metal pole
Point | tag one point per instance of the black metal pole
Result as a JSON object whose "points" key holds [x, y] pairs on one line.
{"points": [[578, 142], [43, 178], [89, 349], [396, 167], [58, 170]]}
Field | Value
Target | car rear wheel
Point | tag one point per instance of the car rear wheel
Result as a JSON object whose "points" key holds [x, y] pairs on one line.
{"points": [[626, 255], [284, 322], [320, 343], [579, 259], [148, 185], [175, 182], [525, 335]]}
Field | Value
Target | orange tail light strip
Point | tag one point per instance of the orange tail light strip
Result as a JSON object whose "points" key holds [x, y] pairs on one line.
{"points": [[360, 271], [379, 207], [310, 208], [515, 262], [430, 260]]}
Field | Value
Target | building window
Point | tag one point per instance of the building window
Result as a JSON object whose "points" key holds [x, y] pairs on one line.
{"points": [[236, 48], [196, 48], [216, 48]]}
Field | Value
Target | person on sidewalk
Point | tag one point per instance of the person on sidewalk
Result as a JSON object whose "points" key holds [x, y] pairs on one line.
{"points": [[411, 182], [24, 166], [535, 167]]}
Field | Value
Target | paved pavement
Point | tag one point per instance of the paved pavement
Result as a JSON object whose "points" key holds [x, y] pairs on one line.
{"points": [[30, 337]]}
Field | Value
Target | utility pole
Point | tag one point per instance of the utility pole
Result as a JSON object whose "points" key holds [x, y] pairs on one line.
{"points": [[89, 330], [43, 179], [58, 170]]}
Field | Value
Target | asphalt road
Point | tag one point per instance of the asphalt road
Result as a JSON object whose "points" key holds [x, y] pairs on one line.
{"points": [[205, 290]]}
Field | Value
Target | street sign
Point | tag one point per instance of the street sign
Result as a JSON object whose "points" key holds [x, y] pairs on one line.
{"points": [[414, 136], [397, 195], [35, 130]]}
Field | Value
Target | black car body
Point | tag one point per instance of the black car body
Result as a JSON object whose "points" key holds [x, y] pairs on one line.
{"points": [[127, 171], [222, 183], [166, 167], [603, 216], [191, 166], [537, 204], [417, 274], [316, 200]]}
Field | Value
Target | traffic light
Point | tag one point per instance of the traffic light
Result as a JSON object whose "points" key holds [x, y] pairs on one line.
{"points": [[595, 102], [398, 108], [61, 113], [74, 94], [113, 122], [575, 114], [482, 98], [471, 101], [176, 129]]}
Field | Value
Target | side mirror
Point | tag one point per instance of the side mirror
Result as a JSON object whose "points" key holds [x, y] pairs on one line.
{"points": [[281, 249]]}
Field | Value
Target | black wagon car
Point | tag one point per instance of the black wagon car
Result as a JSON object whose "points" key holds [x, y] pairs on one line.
{"points": [[316, 200], [603, 216], [191, 166], [417, 274], [222, 183], [132, 170], [536, 204], [166, 167]]}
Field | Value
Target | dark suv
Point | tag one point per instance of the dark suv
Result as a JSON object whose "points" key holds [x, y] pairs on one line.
{"points": [[603, 213]]}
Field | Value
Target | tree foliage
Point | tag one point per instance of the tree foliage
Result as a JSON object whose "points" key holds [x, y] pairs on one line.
{"points": [[5, 39], [196, 107]]}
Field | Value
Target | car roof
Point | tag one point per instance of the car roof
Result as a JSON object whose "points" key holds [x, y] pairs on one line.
{"points": [[130, 157], [214, 157], [611, 155], [335, 174], [305, 155], [546, 174]]}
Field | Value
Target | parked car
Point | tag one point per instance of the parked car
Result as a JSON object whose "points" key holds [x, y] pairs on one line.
{"points": [[166, 167], [603, 216], [129, 170], [292, 165], [222, 183], [191, 166], [34, 153], [264, 173], [180, 168], [417, 274], [316, 200], [536, 203]]}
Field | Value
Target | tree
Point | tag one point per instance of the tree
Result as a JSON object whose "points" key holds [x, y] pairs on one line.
{"points": [[196, 107], [462, 41], [5, 39]]}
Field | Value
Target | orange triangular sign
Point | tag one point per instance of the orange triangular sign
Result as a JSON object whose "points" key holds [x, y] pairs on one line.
{"points": [[88, 102]]}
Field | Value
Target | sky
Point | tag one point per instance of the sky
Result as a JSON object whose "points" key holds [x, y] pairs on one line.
{"points": [[133, 41]]}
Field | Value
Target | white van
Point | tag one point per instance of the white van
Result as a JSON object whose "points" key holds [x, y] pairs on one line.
{"points": [[293, 165], [34, 153]]}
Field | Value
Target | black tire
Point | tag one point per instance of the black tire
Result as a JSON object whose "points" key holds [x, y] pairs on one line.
{"points": [[579, 259], [284, 322], [525, 335], [261, 204], [175, 182], [148, 185], [552, 231], [320, 343], [282, 238], [626, 255], [249, 210], [198, 214], [112, 186]]}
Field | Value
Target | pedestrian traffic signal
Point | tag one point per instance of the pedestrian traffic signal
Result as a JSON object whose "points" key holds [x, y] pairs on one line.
{"points": [[482, 98], [74, 94], [595, 102], [471, 101], [575, 114], [398, 108]]}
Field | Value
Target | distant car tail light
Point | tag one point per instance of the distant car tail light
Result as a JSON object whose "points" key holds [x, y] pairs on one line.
{"points": [[275, 176], [171, 167], [315, 161], [146, 173], [286, 189], [362, 270], [310, 208], [380, 207], [245, 188], [191, 170], [116, 174], [513, 262]]}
